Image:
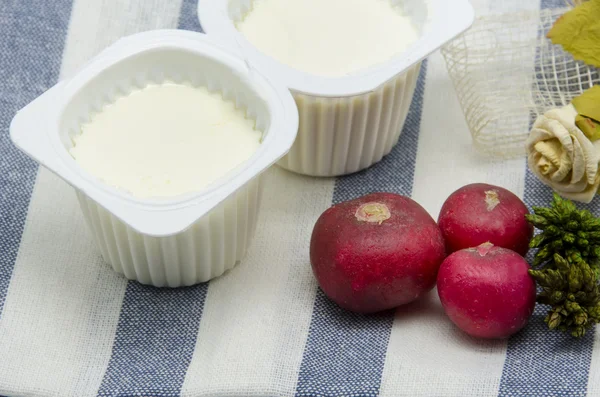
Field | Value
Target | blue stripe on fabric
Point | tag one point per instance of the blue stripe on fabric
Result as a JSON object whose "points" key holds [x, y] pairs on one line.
{"points": [[540, 362], [553, 4], [188, 17], [157, 329], [154, 342], [345, 352], [32, 38]]}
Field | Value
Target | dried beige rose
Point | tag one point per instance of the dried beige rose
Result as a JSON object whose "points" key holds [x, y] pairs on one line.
{"points": [[562, 157]]}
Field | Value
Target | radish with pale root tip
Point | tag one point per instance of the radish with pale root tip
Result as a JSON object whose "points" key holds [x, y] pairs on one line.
{"points": [[487, 291], [480, 213], [375, 253]]}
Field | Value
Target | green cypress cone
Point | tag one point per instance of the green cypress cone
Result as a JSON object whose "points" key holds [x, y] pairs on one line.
{"points": [[565, 228], [566, 265], [573, 293]]}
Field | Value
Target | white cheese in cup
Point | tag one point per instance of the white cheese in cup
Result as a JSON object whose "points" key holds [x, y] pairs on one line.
{"points": [[330, 38], [165, 140]]}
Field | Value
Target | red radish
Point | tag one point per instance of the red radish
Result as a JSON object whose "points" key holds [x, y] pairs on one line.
{"points": [[487, 291], [479, 213], [376, 252]]}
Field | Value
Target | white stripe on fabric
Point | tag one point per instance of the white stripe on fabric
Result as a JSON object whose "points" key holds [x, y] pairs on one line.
{"points": [[256, 318], [63, 303], [62, 307], [427, 355], [446, 158], [97, 24]]}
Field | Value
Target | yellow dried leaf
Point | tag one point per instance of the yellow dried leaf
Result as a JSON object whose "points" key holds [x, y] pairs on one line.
{"points": [[588, 103], [589, 127], [578, 32]]}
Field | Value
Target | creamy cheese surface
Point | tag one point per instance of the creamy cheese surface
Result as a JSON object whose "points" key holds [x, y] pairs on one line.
{"points": [[331, 38], [165, 140]]}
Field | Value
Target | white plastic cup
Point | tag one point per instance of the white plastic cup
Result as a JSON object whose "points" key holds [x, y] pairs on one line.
{"points": [[163, 242], [348, 123]]}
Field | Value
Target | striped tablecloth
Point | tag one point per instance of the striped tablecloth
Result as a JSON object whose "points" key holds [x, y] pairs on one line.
{"points": [[69, 326]]}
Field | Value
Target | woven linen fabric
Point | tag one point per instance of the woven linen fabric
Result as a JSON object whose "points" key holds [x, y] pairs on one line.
{"points": [[70, 326]]}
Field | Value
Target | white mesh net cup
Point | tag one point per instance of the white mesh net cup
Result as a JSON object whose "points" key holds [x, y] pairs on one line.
{"points": [[506, 73]]}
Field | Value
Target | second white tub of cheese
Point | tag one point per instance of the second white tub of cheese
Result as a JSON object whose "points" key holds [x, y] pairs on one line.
{"points": [[329, 38], [351, 115]]}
